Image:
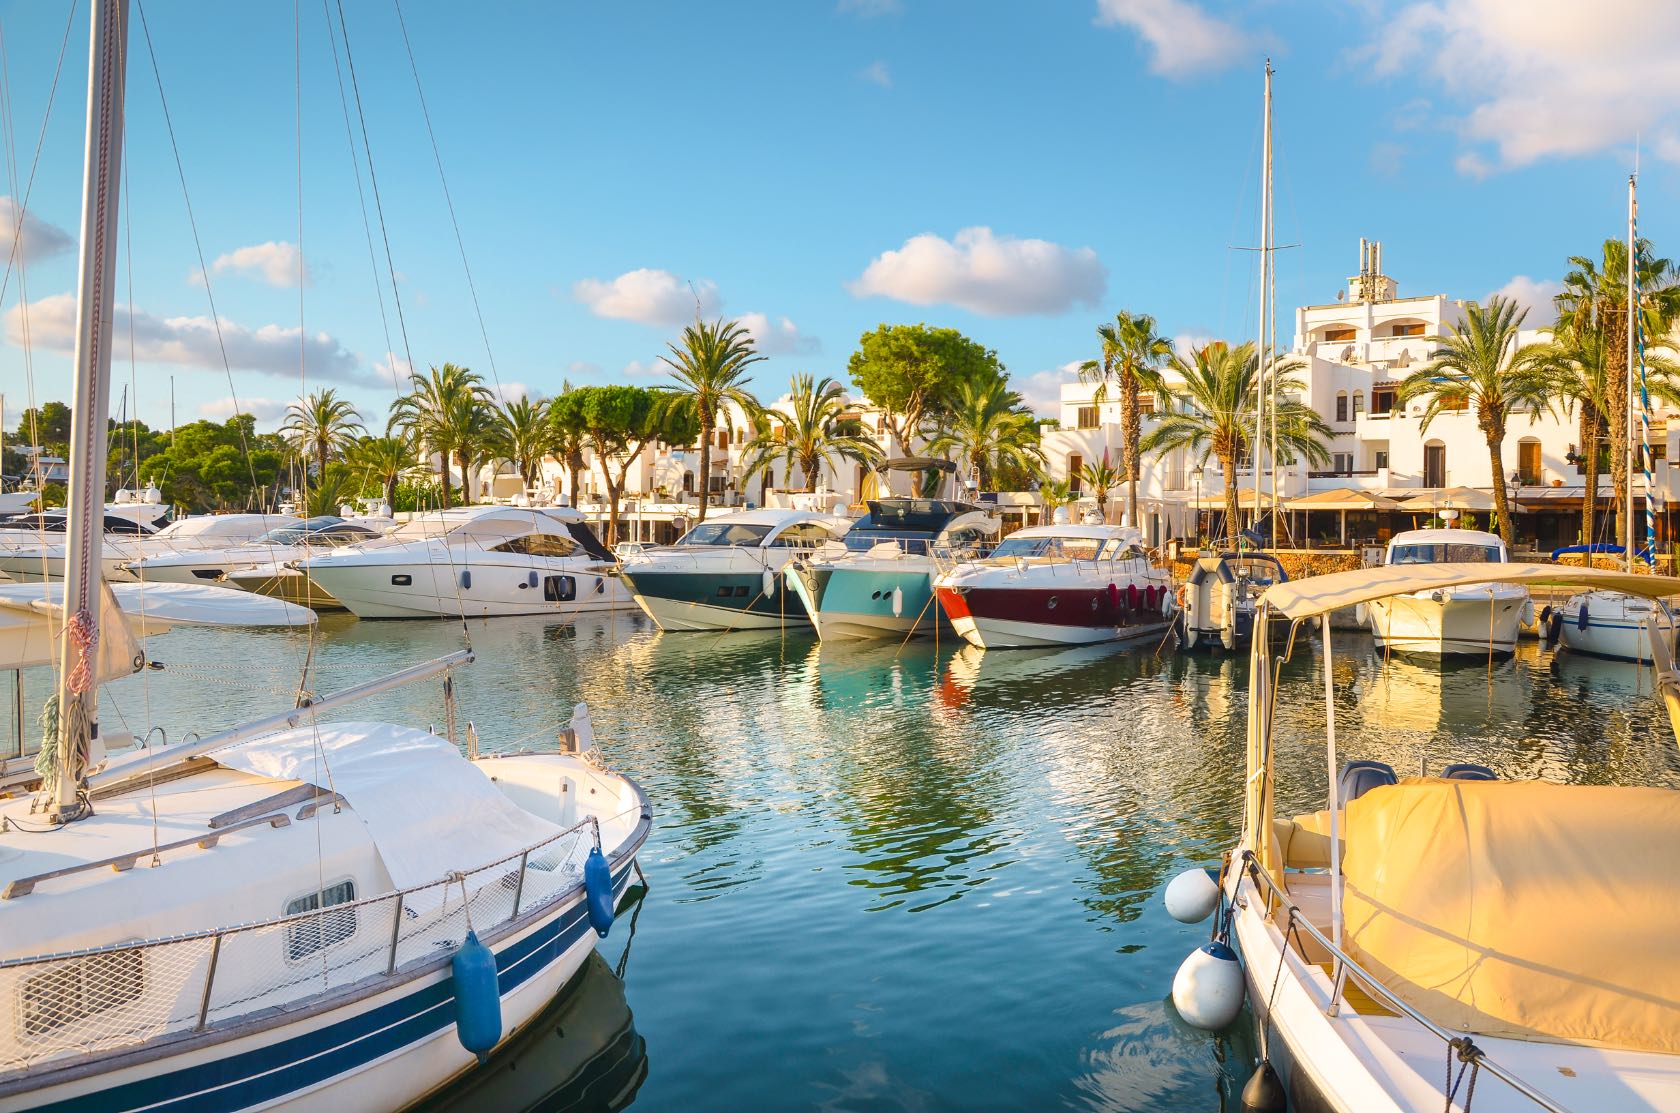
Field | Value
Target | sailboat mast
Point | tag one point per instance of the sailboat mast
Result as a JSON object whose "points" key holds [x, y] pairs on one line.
{"points": [[1632, 310], [1256, 447], [78, 720]]}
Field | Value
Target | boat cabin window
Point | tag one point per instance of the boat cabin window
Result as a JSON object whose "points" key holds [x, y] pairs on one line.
{"points": [[802, 535], [1436, 553], [317, 933], [79, 988], [1055, 548], [538, 544], [741, 535]]}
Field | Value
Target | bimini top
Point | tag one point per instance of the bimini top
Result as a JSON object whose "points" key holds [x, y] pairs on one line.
{"points": [[1318, 595]]}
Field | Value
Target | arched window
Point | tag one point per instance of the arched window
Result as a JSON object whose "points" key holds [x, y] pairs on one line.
{"points": [[1435, 464], [1358, 403], [688, 483], [1341, 405], [1528, 461], [1076, 463]]}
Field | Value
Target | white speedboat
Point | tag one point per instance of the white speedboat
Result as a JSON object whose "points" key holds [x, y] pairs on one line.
{"points": [[45, 560], [877, 581], [1466, 618], [288, 542], [477, 561], [1609, 624], [1440, 942], [724, 574], [1059, 585]]}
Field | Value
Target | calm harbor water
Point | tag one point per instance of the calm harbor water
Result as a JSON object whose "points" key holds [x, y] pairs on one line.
{"points": [[916, 877]]}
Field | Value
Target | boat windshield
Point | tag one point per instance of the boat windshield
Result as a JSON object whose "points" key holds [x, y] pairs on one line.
{"points": [[298, 531], [1058, 548], [741, 535], [1452, 553]]}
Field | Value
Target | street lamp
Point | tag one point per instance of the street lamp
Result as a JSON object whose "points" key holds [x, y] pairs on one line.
{"points": [[1197, 505]]}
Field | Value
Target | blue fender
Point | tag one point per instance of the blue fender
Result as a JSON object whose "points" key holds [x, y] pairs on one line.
{"points": [[478, 997], [598, 891]]}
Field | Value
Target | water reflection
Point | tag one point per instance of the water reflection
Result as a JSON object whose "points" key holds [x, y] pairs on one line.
{"points": [[582, 1054]]}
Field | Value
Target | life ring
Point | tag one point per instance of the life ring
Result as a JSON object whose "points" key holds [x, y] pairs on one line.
{"points": [[1183, 593]]}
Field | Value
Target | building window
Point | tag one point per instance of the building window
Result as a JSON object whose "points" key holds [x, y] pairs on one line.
{"points": [[1076, 464], [1337, 335], [1412, 329], [1435, 465], [1528, 463], [714, 485], [1381, 457], [1087, 417], [1146, 405], [1382, 400], [1342, 462], [316, 933], [688, 483], [1341, 405], [1358, 402]]}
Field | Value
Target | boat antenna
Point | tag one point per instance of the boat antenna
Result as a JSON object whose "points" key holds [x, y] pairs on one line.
{"points": [[78, 709], [1627, 378], [1256, 449]]}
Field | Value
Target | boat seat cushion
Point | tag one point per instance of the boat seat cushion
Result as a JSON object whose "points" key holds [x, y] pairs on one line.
{"points": [[1521, 908]]}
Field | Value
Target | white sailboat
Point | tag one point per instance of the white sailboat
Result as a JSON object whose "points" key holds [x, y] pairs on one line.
{"points": [[1610, 623], [292, 912]]}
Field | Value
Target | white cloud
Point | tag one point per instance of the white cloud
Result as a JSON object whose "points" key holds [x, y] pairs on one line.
{"points": [[1042, 390], [583, 367], [36, 239], [263, 409], [997, 276], [192, 342], [876, 73], [1183, 39], [1534, 295], [653, 368], [274, 262], [652, 297], [1186, 342], [869, 9], [777, 338], [513, 392], [1538, 81]]}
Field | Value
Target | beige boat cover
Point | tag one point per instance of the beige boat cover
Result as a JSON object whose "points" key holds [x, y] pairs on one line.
{"points": [[1522, 909], [1316, 595]]}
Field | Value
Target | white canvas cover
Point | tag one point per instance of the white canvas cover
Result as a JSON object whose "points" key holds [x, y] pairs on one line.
{"points": [[1316, 595], [428, 810]]}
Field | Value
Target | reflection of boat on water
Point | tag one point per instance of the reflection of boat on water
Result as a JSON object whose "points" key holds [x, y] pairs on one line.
{"points": [[1600, 679], [973, 668], [582, 1053], [1413, 697]]}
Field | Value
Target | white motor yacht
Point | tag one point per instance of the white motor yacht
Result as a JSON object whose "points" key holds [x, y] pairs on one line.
{"points": [[1437, 942], [1059, 585], [45, 559], [288, 542], [1466, 618], [477, 561], [725, 573]]}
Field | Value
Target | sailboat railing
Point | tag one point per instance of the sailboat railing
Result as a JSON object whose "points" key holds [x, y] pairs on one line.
{"points": [[1344, 967], [123, 995]]}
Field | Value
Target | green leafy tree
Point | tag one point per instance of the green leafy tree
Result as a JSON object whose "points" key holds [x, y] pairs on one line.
{"points": [[525, 435], [1215, 414], [445, 412], [46, 426], [322, 425], [205, 466], [709, 365], [1101, 477], [1479, 365], [616, 423], [810, 430], [912, 372], [1133, 354], [989, 428], [384, 460], [1595, 298], [568, 439]]}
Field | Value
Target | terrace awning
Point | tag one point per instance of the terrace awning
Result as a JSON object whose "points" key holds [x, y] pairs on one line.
{"points": [[1342, 498], [1452, 498]]}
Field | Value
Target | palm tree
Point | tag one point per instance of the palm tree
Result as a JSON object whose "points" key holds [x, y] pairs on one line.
{"points": [[810, 430], [524, 433], [1595, 297], [1479, 364], [709, 366], [322, 424], [1132, 354], [1216, 414], [1053, 493], [444, 412], [1101, 478], [384, 459], [988, 426]]}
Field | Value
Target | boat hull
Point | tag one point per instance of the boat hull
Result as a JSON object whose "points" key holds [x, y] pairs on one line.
{"points": [[425, 590], [1460, 625], [857, 604], [288, 584], [1615, 626], [1003, 618], [378, 1050], [689, 602]]}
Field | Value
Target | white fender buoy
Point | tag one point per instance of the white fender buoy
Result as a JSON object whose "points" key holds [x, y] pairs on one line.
{"points": [[1208, 988], [1528, 612], [898, 602], [769, 583], [1191, 896], [1168, 603]]}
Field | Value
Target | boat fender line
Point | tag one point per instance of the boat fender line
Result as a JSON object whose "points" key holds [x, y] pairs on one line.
{"points": [[1191, 896], [531, 579], [598, 894], [478, 999], [898, 602], [466, 579], [1208, 988], [1554, 628], [1528, 612], [769, 582], [600, 585], [1581, 619], [1114, 595], [1264, 1093], [1133, 597]]}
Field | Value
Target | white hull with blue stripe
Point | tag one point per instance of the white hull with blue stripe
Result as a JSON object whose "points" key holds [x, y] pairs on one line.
{"points": [[1611, 624]]}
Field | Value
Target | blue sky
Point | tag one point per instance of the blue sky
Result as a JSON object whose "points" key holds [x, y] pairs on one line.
{"points": [[1019, 171]]}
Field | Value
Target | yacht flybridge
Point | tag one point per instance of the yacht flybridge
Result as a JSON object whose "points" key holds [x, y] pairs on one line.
{"points": [[477, 561], [1423, 942], [1463, 619]]}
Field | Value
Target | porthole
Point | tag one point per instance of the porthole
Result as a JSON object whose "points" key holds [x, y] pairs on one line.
{"points": [[1051, 603], [401, 581]]}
